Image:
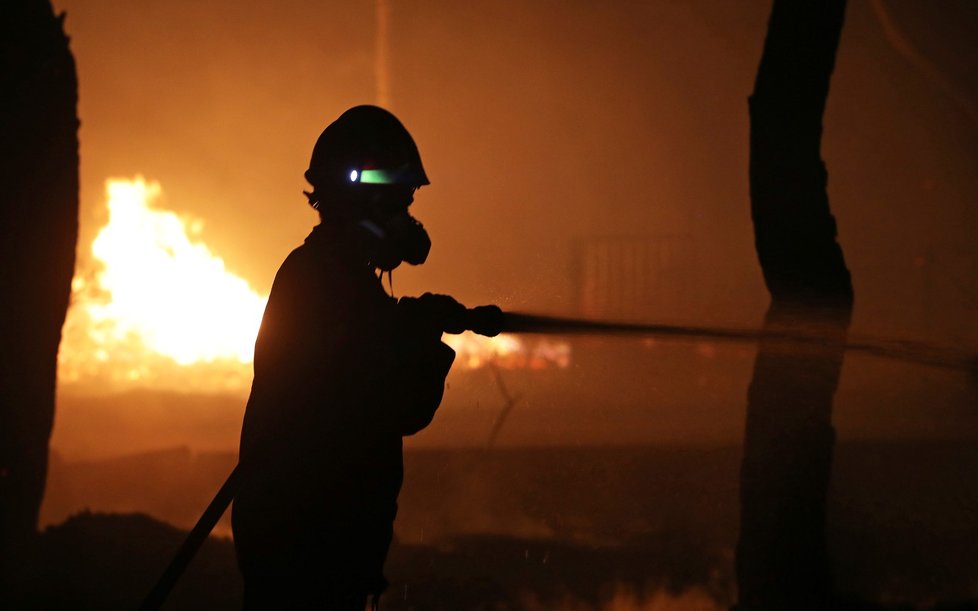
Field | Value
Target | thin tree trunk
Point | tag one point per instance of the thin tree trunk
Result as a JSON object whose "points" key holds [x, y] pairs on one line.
{"points": [[39, 212], [781, 555]]}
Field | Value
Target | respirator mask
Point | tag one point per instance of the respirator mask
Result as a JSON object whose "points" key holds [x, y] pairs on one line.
{"points": [[397, 238]]}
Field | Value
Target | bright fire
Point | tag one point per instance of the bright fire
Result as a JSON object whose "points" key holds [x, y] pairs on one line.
{"points": [[157, 308], [507, 351], [157, 299]]}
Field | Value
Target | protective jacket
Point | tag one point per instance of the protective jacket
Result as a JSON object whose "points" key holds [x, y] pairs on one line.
{"points": [[340, 377]]}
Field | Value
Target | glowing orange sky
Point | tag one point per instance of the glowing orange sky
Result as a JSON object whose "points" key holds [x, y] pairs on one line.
{"points": [[540, 128]]}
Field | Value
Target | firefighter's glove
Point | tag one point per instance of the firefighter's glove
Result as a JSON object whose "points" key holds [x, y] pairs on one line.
{"points": [[430, 315]]}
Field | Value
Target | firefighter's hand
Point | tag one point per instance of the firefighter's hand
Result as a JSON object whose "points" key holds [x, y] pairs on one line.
{"points": [[435, 313]]}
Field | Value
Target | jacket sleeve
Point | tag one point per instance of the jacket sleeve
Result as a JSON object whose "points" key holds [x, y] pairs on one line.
{"points": [[396, 380], [425, 368]]}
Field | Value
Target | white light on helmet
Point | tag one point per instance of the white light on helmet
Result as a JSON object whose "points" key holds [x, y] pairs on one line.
{"points": [[354, 175]]}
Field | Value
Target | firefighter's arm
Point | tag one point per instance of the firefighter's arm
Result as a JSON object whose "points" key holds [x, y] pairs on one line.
{"points": [[423, 385], [424, 359]]}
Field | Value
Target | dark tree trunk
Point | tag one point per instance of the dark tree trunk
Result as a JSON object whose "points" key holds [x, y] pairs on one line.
{"points": [[39, 211], [781, 555]]}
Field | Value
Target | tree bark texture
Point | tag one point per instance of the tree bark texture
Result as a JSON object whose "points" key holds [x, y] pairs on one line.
{"points": [[39, 211], [781, 558]]}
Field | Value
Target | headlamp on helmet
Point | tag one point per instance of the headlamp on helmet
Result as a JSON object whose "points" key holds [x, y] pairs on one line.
{"points": [[404, 175]]}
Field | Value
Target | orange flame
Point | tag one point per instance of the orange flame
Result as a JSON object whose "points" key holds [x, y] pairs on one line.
{"points": [[507, 351], [156, 291]]}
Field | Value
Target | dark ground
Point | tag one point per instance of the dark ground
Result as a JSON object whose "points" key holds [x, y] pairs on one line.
{"points": [[620, 529]]}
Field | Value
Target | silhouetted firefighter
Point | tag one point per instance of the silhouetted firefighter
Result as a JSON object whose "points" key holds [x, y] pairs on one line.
{"points": [[39, 217], [342, 372], [781, 555]]}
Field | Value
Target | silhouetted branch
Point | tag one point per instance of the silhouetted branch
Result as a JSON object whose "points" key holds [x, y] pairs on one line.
{"points": [[510, 402]]}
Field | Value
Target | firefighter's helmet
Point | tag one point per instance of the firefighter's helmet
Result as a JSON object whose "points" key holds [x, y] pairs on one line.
{"points": [[366, 145]]}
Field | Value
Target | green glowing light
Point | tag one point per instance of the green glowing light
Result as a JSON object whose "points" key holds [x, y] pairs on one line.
{"points": [[378, 177]]}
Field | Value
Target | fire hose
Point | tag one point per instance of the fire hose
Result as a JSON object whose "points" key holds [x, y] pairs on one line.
{"points": [[490, 321]]}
